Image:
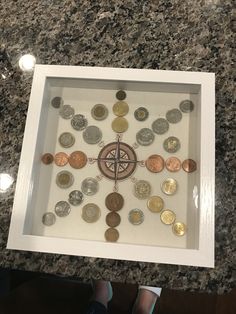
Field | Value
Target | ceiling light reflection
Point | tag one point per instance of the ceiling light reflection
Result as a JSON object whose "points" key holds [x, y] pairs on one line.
{"points": [[27, 63], [195, 196], [5, 182]]}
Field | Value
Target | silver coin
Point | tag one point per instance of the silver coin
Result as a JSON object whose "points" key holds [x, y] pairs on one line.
{"points": [[89, 186], [64, 179], [145, 137], [160, 126], [186, 106], [79, 122], [136, 216], [174, 115], [62, 209], [66, 140], [76, 198], [92, 134], [142, 189], [67, 112], [48, 219], [171, 144], [91, 212], [141, 114], [57, 102], [99, 112]]}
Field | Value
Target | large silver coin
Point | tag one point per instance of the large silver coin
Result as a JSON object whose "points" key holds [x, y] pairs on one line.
{"points": [[142, 189], [57, 102], [136, 216], [48, 219], [89, 186], [62, 209], [66, 140], [92, 134], [67, 112], [99, 112], [79, 122], [186, 106], [64, 179], [91, 212], [171, 144], [145, 137], [160, 126], [76, 198], [174, 115], [141, 114]]}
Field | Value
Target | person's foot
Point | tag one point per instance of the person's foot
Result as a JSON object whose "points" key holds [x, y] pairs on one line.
{"points": [[146, 300], [102, 292]]}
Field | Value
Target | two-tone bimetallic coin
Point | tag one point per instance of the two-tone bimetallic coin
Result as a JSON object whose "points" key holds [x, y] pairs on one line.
{"points": [[119, 125], [49, 219], [79, 122], [141, 114], [136, 216], [168, 217], [62, 209], [57, 102], [169, 186], [64, 179], [121, 95], [120, 108], [186, 106], [160, 126], [111, 235], [114, 201], [145, 137], [142, 189], [66, 139], [113, 219], [92, 135], [91, 213], [47, 158], [179, 228], [66, 112], [155, 204], [174, 115], [89, 186], [76, 197], [99, 112], [171, 144]]}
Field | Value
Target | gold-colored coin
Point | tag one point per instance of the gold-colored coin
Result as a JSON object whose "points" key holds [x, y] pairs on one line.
{"points": [[111, 235], [168, 217], [155, 204], [179, 228], [119, 125], [169, 186], [136, 216], [120, 108]]}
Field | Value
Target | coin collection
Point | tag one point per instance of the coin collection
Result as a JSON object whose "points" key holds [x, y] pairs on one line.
{"points": [[117, 161]]}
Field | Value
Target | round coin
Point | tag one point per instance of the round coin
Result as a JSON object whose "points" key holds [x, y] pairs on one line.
{"points": [[75, 198], [92, 135], [168, 217], [47, 158], [113, 219], [61, 159], [186, 106], [111, 235], [99, 112], [48, 219], [136, 216], [79, 122], [173, 164], [155, 163], [119, 125], [160, 126], [120, 108], [62, 209], [64, 179], [91, 212], [66, 112], [155, 204], [179, 228], [89, 186], [171, 144], [169, 186], [189, 165], [77, 160], [114, 201], [174, 115], [141, 114], [142, 189], [121, 95], [66, 140], [145, 137], [57, 102]]}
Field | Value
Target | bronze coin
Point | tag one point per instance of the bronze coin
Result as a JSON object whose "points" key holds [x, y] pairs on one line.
{"points": [[47, 158], [155, 163], [189, 165], [77, 159], [61, 159], [113, 219], [114, 201], [111, 235], [173, 164], [121, 95]]}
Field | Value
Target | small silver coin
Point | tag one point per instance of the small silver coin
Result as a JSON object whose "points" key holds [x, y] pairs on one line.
{"points": [[171, 144], [48, 219], [67, 112], [92, 134], [99, 112], [145, 137], [142, 189], [62, 209], [186, 106], [160, 126], [89, 186], [136, 216], [79, 122], [91, 212], [66, 140], [76, 198], [64, 179], [174, 115], [141, 114], [57, 102]]}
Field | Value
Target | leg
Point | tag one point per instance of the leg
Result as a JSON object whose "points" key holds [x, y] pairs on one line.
{"points": [[146, 300]]}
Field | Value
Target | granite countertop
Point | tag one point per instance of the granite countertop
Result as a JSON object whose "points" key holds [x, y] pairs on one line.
{"points": [[165, 34]]}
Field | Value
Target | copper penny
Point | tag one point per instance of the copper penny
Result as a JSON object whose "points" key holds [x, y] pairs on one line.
{"points": [[113, 219], [61, 159], [77, 159], [47, 158], [114, 201], [155, 163], [189, 165], [173, 164], [111, 235]]}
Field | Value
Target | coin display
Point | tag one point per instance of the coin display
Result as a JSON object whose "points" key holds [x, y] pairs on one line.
{"points": [[168, 217], [111, 235], [62, 209], [48, 219], [64, 179], [189, 165], [57, 102], [92, 134], [89, 186], [186, 106], [66, 139], [47, 158], [173, 164], [120, 108], [171, 144], [66, 112], [141, 114], [169, 186], [145, 137], [179, 228], [79, 122], [91, 213], [121, 95], [155, 163], [77, 160], [142, 189], [113, 219], [136, 216], [119, 125], [61, 159], [155, 204], [174, 115], [160, 126], [99, 112], [75, 198], [114, 201]]}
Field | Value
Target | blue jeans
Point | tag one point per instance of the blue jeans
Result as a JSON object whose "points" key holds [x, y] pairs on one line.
{"points": [[96, 308]]}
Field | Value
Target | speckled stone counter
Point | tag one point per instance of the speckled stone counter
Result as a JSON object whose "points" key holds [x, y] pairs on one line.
{"points": [[165, 34]]}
